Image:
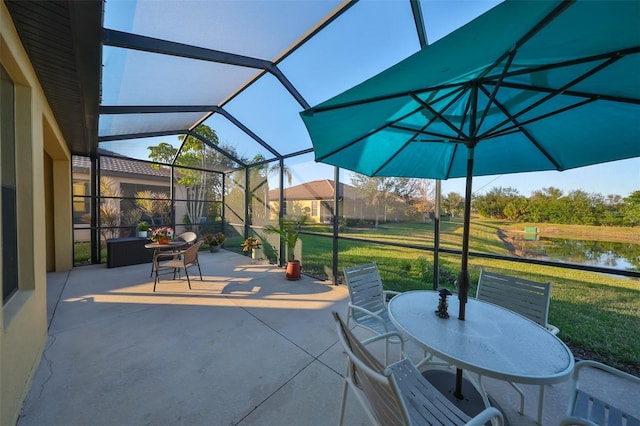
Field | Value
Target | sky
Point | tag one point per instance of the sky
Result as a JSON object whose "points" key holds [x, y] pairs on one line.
{"points": [[615, 178], [318, 72]]}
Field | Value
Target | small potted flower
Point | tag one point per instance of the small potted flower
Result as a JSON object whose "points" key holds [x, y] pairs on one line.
{"points": [[220, 238], [214, 241], [162, 235], [143, 229], [251, 244]]}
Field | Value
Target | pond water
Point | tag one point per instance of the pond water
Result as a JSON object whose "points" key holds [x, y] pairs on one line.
{"points": [[624, 256]]}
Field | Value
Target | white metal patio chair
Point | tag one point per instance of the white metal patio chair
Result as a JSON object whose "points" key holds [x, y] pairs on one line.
{"points": [[397, 394], [585, 409], [530, 299], [183, 259], [368, 301]]}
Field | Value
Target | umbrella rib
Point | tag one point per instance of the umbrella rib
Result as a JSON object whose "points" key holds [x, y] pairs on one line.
{"points": [[553, 94], [366, 135], [574, 93], [497, 86], [441, 136], [448, 123], [527, 134], [594, 58], [415, 133], [518, 125], [533, 31], [386, 97]]}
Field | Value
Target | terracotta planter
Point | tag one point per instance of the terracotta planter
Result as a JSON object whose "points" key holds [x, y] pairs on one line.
{"points": [[293, 270], [164, 241]]}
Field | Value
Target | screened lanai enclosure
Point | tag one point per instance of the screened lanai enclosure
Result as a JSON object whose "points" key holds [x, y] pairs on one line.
{"points": [[199, 129], [199, 124]]}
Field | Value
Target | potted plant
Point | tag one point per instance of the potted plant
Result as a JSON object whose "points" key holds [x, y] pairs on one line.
{"points": [[143, 229], [210, 240], [162, 235], [251, 244], [289, 232], [214, 241]]}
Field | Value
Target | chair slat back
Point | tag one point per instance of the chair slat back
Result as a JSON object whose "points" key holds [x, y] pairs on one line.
{"points": [[585, 402], [190, 255], [423, 400], [365, 288], [189, 237], [369, 375], [528, 298]]}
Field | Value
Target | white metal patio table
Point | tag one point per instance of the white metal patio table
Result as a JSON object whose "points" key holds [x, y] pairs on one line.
{"points": [[492, 341]]}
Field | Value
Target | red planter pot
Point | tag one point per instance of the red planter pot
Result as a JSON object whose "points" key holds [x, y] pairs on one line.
{"points": [[293, 270]]}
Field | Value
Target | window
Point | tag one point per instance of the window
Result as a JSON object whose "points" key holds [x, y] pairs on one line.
{"points": [[314, 208], [8, 179], [81, 201]]}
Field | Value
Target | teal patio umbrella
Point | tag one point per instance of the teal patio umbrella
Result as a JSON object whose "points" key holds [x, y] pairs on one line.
{"points": [[527, 86]]}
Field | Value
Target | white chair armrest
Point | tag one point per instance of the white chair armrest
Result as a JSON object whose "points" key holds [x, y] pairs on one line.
{"points": [[576, 421], [168, 255], [388, 335], [387, 293], [368, 313], [487, 415], [553, 329]]}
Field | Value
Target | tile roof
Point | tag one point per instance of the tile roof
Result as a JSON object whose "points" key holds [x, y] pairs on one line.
{"points": [[315, 190], [116, 165]]}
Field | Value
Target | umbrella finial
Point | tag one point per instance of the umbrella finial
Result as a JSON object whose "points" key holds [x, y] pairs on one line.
{"points": [[442, 303]]}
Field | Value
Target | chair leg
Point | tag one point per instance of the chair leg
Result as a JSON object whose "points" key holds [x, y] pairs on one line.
{"points": [[386, 352], [540, 403], [345, 389], [199, 270], [186, 272]]}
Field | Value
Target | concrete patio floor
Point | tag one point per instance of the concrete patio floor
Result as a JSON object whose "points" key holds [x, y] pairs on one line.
{"points": [[243, 347]]}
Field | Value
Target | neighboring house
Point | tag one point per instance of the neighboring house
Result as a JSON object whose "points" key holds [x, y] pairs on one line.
{"points": [[130, 175], [316, 200]]}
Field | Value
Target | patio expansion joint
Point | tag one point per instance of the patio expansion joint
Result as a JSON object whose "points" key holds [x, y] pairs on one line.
{"points": [[55, 306], [279, 388], [313, 360]]}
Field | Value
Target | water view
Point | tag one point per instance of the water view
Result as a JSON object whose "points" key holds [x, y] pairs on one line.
{"points": [[624, 256]]}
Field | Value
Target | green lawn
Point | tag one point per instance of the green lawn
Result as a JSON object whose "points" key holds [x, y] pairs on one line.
{"points": [[595, 312]]}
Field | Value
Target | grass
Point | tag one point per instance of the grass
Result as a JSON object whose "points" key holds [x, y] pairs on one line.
{"points": [[597, 313], [82, 254]]}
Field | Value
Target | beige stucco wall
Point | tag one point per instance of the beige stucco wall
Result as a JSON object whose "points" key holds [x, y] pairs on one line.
{"points": [[23, 319]]}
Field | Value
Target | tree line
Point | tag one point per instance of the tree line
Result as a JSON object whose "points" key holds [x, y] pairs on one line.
{"points": [[551, 205], [547, 205]]}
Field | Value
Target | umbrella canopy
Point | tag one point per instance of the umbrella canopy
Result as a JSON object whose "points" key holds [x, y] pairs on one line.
{"points": [[536, 85], [528, 86]]}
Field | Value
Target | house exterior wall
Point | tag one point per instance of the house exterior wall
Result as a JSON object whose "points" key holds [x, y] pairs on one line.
{"points": [[41, 156], [322, 213], [81, 232]]}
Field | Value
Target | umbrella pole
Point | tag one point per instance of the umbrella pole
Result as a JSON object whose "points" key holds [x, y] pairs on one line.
{"points": [[463, 276]]}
